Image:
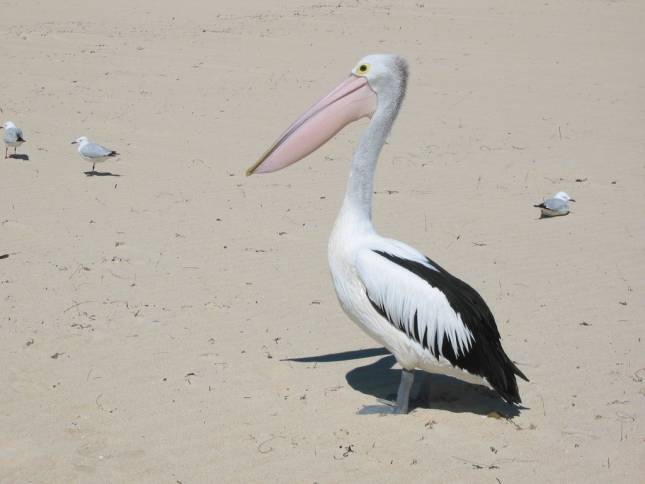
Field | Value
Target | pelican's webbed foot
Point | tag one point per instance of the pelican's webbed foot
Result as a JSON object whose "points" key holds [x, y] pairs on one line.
{"points": [[401, 406]]}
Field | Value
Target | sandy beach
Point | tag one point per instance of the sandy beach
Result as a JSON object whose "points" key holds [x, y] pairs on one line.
{"points": [[173, 321]]}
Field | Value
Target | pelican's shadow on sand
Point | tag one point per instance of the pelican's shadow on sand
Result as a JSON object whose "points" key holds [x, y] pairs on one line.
{"points": [[381, 381], [100, 173]]}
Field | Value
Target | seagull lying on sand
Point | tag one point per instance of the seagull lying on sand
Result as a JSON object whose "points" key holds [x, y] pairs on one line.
{"points": [[12, 137], [92, 152], [558, 205]]}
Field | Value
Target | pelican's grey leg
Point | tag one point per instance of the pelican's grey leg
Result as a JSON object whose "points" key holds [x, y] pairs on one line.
{"points": [[403, 396], [401, 406]]}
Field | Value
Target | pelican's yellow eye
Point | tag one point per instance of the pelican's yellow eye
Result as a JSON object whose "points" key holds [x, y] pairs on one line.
{"points": [[363, 68]]}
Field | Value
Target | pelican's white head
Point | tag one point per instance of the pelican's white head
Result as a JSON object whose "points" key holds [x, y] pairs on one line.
{"points": [[563, 196], [8, 124], [386, 74], [81, 140], [377, 82]]}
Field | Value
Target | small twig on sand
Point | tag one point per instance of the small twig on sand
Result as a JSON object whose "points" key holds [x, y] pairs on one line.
{"points": [[76, 305], [476, 465], [264, 442]]}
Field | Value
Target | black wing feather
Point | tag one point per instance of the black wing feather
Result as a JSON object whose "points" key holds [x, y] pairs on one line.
{"points": [[486, 357]]}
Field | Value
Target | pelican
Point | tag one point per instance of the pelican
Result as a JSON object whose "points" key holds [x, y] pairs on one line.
{"points": [[555, 206], [422, 314], [93, 152], [12, 137]]}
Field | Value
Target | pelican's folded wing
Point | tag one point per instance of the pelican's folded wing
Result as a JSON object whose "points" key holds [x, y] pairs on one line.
{"points": [[440, 312]]}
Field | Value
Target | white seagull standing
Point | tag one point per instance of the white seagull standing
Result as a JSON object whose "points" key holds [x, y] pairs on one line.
{"points": [[557, 205], [12, 137], [422, 314], [93, 152]]}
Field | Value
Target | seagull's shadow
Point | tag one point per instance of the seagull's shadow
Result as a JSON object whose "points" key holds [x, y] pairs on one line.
{"points": [[100, 173], [543, 217], [19, 157], [380, 380]]}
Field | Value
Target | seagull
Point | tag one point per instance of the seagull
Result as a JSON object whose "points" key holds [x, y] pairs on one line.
{"points": [[12, 137], [425, 316], [93, 152], [558, 205]]}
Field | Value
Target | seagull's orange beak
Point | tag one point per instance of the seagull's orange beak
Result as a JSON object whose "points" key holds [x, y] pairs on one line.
{"points": [[351, 100]]}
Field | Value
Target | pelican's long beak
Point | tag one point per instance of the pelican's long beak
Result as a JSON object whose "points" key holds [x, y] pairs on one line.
{"points": [[351, 100]]}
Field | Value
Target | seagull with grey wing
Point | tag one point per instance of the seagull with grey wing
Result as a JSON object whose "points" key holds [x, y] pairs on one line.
{"points": [[555, 206], [12, 137], [93, 152]]}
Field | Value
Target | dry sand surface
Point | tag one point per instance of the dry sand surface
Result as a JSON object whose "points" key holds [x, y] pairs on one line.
{"points": [[151, 322]]}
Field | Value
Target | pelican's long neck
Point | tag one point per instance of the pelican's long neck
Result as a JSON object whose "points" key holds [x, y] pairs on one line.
{"points": [[358, 197]]}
